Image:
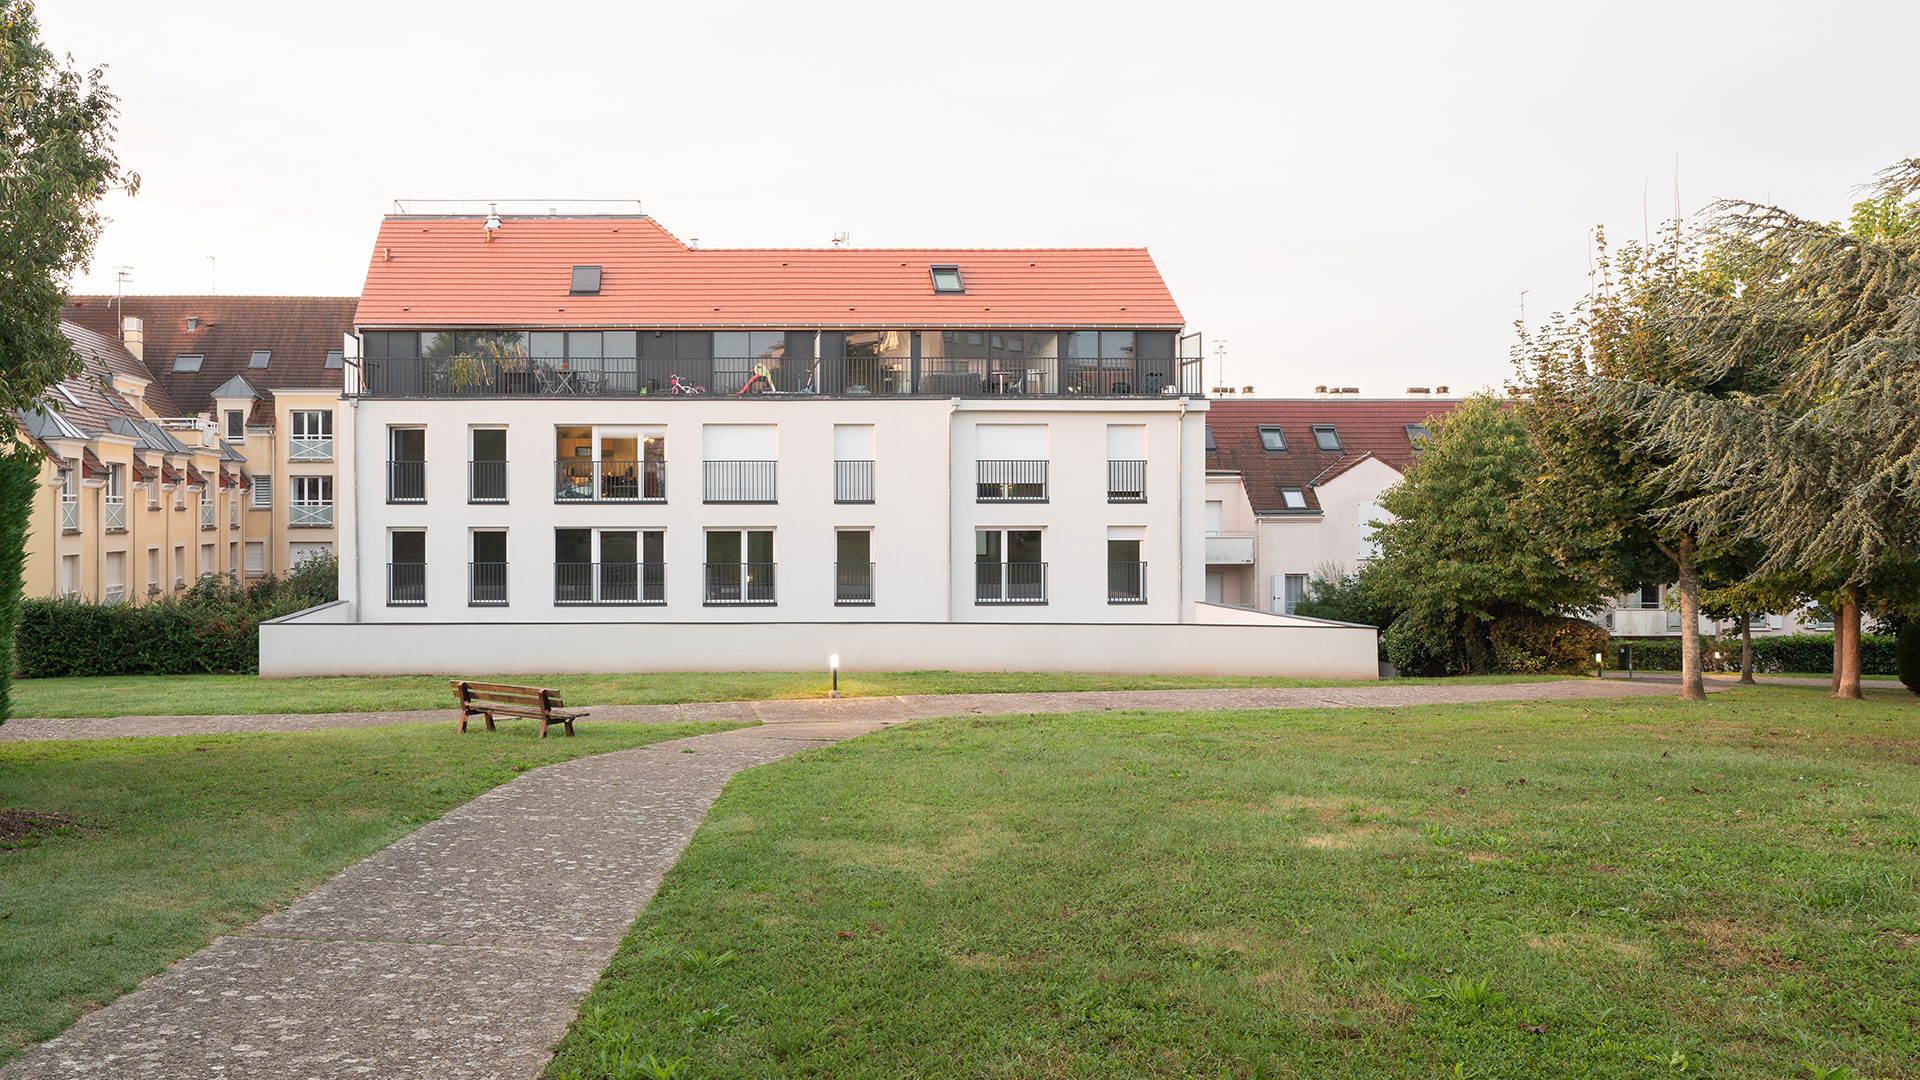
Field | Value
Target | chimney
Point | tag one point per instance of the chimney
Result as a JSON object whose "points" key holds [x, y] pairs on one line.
{"points": [[1320, 390], [1439, 389], [193, 323], [133, 334], [1419, 390], [1247, 391], [1351, 390]]}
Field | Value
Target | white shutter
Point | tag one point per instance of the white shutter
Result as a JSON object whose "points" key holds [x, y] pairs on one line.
{"points": [[740, 442], [1010, 442], [256, 557], [1369, 512], [1215, 510], [853, 442], [1126, 442], [1776, 622], [262, 492]]}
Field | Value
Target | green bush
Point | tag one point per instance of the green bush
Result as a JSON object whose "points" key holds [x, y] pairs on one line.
{"points": [[1414, 648], [1907, 650], [1526, 644], [212, 627], [1811, 653], [19, 480]]}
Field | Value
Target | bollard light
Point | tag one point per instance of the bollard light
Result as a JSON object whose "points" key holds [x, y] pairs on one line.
{"points": [[1599, 662], [833, 665]]}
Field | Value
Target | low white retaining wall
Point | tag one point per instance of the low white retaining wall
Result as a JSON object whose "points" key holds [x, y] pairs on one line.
{"points": [[315, 642]]}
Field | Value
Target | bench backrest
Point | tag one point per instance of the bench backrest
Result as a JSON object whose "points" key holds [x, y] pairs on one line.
{"points": [[527, 697]]}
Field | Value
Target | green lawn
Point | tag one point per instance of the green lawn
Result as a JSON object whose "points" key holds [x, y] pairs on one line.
{"points": [[174, 841], [166, 695], [1634, 888]]}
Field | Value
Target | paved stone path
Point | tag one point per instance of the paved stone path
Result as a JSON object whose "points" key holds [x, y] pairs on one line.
{"points": [[871, 709], [461, 951]]}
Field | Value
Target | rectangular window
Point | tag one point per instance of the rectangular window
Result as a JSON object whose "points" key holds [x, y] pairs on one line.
{"points": [[153, 571], [487, 467], [311, 438], [1216, 511], [406, 568], [1011, 462], [946, 279], [1008, 567], [312, 503], [1418, 436], [853, 457], [1293, 498], [236, 425], [740, 462], [260, 358], [585, 282], [1126, 463], [406, 465], [262, 492], [179, 565], [69, 575], [336, 359], [1211, 445], [1370, 512], [853, 568], [1326, 437], [740, 567], [1296, 591], [1126, 565], [187, 362], [487, 569], [609, 566], [206, 559], [113, 587], [1272, 439], [1649, 596], [256, 557], [609, 464]]}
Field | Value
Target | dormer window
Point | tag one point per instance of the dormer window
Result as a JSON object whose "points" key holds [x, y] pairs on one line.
{"points": [[1416, 434], [1271, 439], [1326, 437], [586, 281], [946, 279], [336, 360], [260, 358], [187, 362]]}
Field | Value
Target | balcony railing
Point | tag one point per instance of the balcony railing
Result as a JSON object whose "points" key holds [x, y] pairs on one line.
{"points": [[233, 510], [853, 481], [206, 515], [853, 584], [610, 481], [741, 482], [113, 513], [577, 584], [1011, 481], [486, 481], [115, 594], [309, 515], [734, 583], [406, 584], [406, 481], [310, 448], [858, 376], [1009, 583], [69, 513], [1126, 481], [1126, 583], [486, 584]]}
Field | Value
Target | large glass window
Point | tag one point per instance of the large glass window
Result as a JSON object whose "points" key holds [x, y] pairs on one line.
{"points": [[609, 566], [1008, 566], [740, 566], [739, 355], [853, 567], [878, 361]]}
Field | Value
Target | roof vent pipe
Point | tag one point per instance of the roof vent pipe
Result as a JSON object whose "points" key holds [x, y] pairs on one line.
{"points": [[493, 221]]}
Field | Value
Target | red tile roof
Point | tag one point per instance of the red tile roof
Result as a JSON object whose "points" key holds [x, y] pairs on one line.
{"points": [[1367, 428], [436, 271], [100, 357]]}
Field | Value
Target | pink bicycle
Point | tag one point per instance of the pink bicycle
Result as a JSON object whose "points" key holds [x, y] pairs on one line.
{"points": [[675, 386]]}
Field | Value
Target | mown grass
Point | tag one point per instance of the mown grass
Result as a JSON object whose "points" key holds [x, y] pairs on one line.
{"points": [[177, 840], [168, 695], [1630, 888]]}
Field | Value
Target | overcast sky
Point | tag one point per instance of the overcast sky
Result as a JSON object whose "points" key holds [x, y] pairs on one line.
{"points": [[1352, 194]]}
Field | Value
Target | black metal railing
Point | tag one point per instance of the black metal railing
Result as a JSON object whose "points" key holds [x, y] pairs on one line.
{"points": [[862, 376], [610, 583], [486, 481], [406, 584], [1011, 481], [1009, 583], [853, 584], [406, 481], [486, 584], [741, 482], [731, 583], [1126, 481], [1126, 583], [853, 481], [610, 481]]}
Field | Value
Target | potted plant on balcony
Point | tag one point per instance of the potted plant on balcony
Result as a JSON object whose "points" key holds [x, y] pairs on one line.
{"points": [[475, 371]]}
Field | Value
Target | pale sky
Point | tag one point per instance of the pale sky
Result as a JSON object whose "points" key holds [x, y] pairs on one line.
{"points": [[1353, 194]]}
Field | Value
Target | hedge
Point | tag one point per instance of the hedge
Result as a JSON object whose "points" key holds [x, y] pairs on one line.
{"points": [[1812, 653], [214, 627]]}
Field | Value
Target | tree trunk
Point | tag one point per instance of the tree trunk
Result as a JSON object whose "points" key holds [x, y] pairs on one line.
{"points": [[1847, 631], [1692, 688], [1839, 653], [1746, 650]]}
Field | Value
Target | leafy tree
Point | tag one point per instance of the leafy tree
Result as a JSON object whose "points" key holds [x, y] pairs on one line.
{"points": [[56, 161], [1467, 545]]}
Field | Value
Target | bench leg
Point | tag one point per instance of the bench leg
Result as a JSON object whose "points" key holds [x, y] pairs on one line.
{"points": [[462, 729], [569, 724], [543, 727], [489, 717]]}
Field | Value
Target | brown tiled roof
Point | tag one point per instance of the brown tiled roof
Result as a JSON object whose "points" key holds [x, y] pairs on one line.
{"points": [[194, 478], [1368, 428], [99, 403], [90, 465], [298, 330], [445, 272]]}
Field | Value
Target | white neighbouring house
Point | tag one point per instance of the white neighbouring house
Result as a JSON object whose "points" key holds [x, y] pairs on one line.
{"points": [[911, 459]]}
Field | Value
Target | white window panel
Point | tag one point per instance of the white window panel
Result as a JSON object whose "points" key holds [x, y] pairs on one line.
{"points": [[1126, 442], [853, 442], [1010, 442], [256, 556], [740, 442]]}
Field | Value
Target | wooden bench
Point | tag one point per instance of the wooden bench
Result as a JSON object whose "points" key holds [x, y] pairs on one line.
{"points": [[500, 699]]}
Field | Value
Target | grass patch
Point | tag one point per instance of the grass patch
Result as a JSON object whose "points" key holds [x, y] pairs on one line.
{"points": [[166, 695], [134, 852], [1623, 888]]}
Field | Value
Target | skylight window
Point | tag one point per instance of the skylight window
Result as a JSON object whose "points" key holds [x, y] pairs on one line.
{"points": [[260, 358], [947, 279], [187, 361], [336, 359], [1325, 437], [68, 394], [586, 281], [1293, 498], [1416, 434], [1210, 446], [1271, 438]]}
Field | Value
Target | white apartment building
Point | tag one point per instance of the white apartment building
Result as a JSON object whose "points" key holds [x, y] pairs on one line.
{"points": [[967, 460]]}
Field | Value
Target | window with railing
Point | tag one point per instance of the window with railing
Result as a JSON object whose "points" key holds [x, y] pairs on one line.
{"points": [[233, 509], [1008, 568], [1126, 571], [312, 504], [853, 568], [206, 504], [407, 568], [487, 466], [312, 436], [741, 482], [853, 481], [1126, 481], [1011, 481], [609, 566], [113, 513], [610, 481], [739, 567], [406, 465], [486, 584], [69, 512]]}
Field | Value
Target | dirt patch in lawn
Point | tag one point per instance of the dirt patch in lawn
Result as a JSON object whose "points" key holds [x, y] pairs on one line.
{"points": [[22, 829]]}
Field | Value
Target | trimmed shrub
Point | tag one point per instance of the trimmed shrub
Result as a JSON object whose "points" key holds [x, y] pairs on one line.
{"points": [[19, 477], [1414, 648], [1526, 644], [1812, 653]]}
